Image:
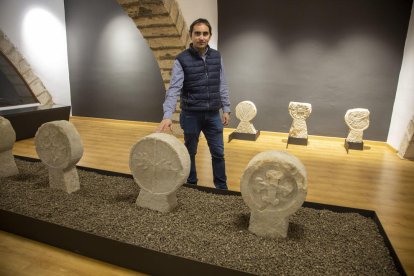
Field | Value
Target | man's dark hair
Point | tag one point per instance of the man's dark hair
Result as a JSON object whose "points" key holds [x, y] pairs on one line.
{"points": [[202, 21]]}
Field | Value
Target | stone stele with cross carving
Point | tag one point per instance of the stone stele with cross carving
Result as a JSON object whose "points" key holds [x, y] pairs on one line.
{"points": [[274, 186]]}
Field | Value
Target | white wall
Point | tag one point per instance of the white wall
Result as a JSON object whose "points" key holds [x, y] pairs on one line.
{"points": [[403, 109], [37, 28], [207, 9]]}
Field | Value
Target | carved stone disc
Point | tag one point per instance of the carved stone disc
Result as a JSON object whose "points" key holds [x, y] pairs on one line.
{"points": [[274, 181], [58, 144], [357, 118], [160, 163], [246, 111], [299, 110]]}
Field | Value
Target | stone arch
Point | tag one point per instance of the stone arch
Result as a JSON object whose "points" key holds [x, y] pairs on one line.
{"points": [[24, 70], [162, 25]]}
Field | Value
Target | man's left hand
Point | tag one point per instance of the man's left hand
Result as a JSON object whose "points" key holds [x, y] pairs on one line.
{"points": [[226, 118]]}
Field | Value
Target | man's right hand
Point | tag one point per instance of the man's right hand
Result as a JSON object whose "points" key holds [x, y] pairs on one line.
{"points": [[165, 125]]}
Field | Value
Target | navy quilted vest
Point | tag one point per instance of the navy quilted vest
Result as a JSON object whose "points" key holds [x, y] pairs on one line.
{"points": [[201, 87]]}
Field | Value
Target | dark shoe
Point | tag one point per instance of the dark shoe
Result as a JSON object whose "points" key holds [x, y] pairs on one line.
{"points": [[222, 187]]}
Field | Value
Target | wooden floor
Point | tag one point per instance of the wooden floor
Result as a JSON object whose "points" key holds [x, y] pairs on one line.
{"points": [[374, 179]]}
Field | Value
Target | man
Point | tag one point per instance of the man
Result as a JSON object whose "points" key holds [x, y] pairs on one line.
{"points": [[198, 77]]}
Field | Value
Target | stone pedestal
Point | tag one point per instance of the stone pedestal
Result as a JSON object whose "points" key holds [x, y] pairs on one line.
{"points": [[245, 112], [353, 145], [158, 202], [297, 141], [298, 133], [244, 136], [7, 164], [176, 129], [357, 120], [274, 186], [59, 146], [160, 164], [266, 224], [64, 179], [7, 139]]}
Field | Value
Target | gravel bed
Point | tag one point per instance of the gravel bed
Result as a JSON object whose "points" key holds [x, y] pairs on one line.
{"points": [[205, 227]]}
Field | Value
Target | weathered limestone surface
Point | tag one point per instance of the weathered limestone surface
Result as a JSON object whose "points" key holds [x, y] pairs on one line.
{"points": [[406, 149], [23, 68], [299, 112], [59, 146], [274, 186], [245, 112], [162, 25], [7, 139], [160, 164], [176, 127], [357, 120]]}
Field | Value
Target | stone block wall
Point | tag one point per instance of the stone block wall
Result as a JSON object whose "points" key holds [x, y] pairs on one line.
{"points": [[406, 150], [23, 68], [162, 25]]}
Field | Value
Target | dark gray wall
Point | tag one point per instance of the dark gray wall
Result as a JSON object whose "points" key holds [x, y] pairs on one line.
{"points": [[112, 71], [334, 54], [8, 95], [13, 89]]}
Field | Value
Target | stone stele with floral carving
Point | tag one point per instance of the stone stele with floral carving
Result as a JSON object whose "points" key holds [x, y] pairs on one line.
{"points": [[160, 164], [245, 112]]}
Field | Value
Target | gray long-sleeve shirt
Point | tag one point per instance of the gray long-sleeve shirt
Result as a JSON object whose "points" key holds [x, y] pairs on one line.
{"points": [[176, 85]]}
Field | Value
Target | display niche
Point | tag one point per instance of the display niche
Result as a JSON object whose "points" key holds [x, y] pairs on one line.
{"points": [[14, 91], [18, 102]]}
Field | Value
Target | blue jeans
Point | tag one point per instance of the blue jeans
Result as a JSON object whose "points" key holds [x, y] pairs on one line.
{"points": [[209, 122]]}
